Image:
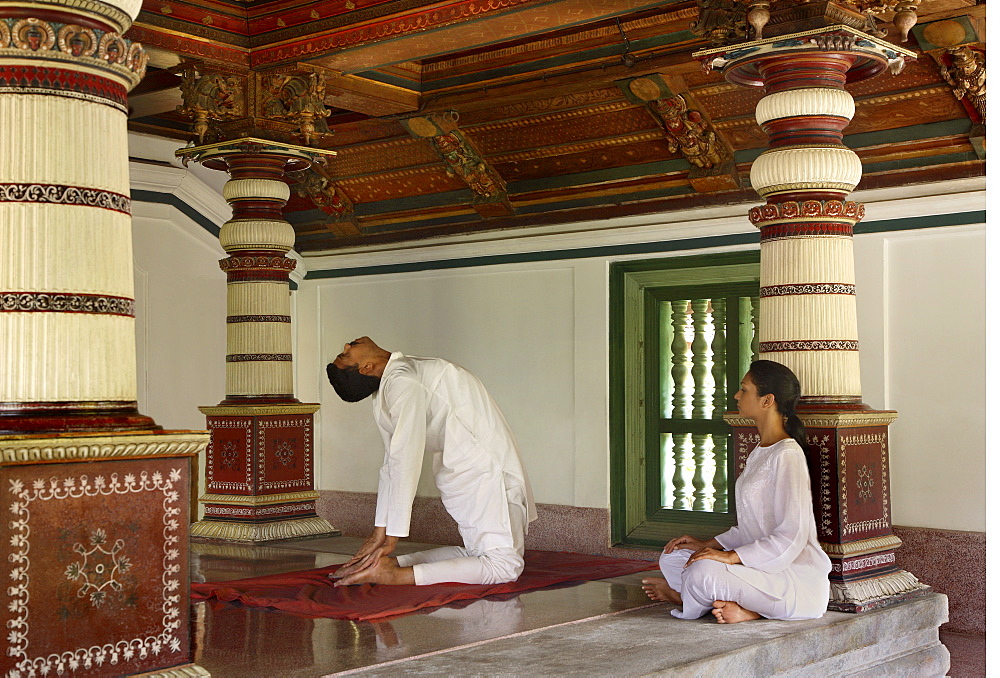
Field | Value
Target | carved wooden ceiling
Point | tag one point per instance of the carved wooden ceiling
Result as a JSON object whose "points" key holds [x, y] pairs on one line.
{"points": [[468, 115]]}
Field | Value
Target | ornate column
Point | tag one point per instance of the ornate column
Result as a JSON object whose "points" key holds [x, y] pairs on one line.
{"points": [[65, 219], [808, 309], [259, 470], [94, 496]]}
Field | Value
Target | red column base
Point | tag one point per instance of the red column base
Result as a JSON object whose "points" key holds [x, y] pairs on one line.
{"points": [[259, 474], [72, 417], [848, 457], [96, 553]]}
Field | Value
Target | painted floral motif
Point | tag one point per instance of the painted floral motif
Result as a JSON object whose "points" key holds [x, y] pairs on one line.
{"points": [[284, 452], [825, 526], [99, 569], [229, 457], [866, 482]]}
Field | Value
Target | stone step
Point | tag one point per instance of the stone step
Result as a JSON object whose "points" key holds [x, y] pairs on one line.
{"points": [[900, 640]]}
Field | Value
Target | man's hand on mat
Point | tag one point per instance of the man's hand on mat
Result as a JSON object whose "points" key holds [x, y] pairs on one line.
{"points": [[378, 545]]}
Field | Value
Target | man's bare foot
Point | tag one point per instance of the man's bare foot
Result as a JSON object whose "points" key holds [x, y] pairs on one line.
{"points": [[659, 589], [728, 612], [384, 571]]}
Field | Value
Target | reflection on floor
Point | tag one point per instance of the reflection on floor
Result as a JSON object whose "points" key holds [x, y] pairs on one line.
{"points": [[233, 641]]}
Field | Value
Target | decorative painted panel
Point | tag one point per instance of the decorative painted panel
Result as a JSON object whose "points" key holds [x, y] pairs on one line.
{"points": [[863, 470], [229, 459], [96, 570], [284, 453]]}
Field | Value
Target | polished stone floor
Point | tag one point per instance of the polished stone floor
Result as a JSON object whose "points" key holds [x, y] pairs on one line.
{"points": [[233, 641]]}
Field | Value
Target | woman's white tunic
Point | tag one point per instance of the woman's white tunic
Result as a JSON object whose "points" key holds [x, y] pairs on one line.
{"points": [[775, 534], [432, 404], [784, 570]]}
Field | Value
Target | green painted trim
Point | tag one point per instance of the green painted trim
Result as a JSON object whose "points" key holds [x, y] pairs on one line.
{"points": [[616, 398], [687, 244], [599, 176], [170, 199], [637, 516], [917, 223], [552, 255], [908, 163]]}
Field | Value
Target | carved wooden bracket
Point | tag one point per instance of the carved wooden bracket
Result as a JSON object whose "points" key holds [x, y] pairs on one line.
{"points": [[688, 131], [210, 96], [316, 184], [463, 161]]}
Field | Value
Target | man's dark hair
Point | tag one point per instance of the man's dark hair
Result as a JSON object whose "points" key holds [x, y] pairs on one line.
{"points": [[350, 384]]}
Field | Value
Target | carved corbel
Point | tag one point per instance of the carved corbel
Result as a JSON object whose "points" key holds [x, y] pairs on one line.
{"points": [[687, 130], [964, 69], [721, 22], [210, 97], [313, 183], [297, 98], [463, 161], [959, 48]]}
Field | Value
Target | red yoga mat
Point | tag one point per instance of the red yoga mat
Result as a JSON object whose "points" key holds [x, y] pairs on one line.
{"points": [[312, 593]]}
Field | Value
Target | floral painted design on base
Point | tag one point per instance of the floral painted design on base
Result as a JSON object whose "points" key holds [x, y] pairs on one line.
{"points": [[97, 567]]}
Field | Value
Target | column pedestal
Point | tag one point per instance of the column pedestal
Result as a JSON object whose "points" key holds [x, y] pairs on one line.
{"points": [[259, 475], [259, 467], [96, 558], [848, 454]]}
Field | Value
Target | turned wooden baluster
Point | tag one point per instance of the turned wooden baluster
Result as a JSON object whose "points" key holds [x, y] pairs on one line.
{"points": [[680, 374], [702, 405], [720, 442]]}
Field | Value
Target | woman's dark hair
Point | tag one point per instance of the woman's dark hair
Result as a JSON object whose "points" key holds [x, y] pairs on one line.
{"points": [[774, 378], [350, 384]]}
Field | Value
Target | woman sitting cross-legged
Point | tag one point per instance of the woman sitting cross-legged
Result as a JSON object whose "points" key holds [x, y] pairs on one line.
{"points": [[770, 564]]}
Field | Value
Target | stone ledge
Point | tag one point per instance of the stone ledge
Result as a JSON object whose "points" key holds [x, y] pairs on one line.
{"points": [[901, 640]]}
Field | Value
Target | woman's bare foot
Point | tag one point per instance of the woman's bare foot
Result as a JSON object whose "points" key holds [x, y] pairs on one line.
{"points": [[659, 589], [385, 571], [728, 612]]}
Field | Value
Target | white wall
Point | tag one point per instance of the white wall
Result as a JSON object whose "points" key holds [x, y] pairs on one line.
{"points": [[180, 296], [180, 300], [537, 335], [485, 319], [936, 378]]}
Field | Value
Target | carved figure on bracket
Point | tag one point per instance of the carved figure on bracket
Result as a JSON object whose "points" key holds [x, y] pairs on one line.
{"points": [[967, 77], [209, 96], [299, 98], [323, 192], [721, 21], [687, 132], [464, 162]]}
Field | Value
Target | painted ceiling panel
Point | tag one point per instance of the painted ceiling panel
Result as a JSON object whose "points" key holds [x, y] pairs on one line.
{"points": [[463, 116]]}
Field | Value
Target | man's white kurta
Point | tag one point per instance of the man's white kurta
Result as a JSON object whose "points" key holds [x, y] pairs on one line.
{"points": [[432, 404]]}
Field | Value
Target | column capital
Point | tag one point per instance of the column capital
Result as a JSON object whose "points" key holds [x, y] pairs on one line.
{"points": [[865, 55], [218, 155]]}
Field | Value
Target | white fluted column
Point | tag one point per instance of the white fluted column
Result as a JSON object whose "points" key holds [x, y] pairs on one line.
{"points": [[67, 309]]}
